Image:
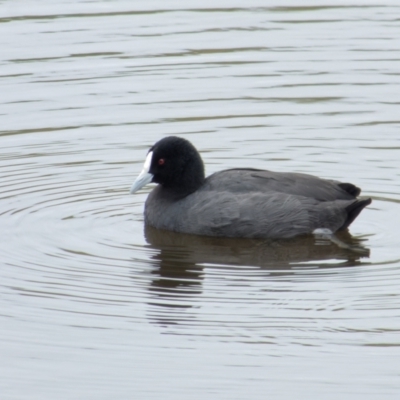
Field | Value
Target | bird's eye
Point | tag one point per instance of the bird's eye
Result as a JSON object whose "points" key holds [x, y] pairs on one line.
{"points": [[161, 161]]}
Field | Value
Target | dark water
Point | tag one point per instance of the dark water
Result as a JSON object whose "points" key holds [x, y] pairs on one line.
{"points": [[95, 306]]}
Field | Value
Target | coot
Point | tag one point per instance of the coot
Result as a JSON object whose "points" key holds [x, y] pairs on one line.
{"points": [[240, 202]]}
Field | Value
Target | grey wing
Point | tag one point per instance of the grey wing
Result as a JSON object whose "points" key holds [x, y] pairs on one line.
{"points": [[307, 186], [260, 215], [276, 215], [261, 181], [283, 216]]}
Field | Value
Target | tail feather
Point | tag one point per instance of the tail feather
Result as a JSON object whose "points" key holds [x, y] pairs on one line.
{"points": [[350, 189], [353, 210]]}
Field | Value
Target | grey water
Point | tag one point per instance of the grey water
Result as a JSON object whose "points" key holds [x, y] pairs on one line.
{"points": [[95, 306]]}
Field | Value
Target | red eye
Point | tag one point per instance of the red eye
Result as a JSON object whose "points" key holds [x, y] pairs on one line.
{"points": [[161, 161]]}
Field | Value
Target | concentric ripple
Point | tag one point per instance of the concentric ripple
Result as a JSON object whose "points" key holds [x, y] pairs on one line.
{"points": [[75, 235], [93, 305]]}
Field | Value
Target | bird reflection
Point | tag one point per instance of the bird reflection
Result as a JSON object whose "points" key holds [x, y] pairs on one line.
{"points": [[179, 261]]}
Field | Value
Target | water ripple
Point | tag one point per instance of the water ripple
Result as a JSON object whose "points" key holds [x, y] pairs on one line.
{"points": [[88, 293]]}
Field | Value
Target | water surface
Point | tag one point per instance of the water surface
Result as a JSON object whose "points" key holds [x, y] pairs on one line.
{"points": [[95, 306]]}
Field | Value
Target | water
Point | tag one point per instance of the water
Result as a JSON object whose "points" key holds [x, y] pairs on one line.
{"points": [[92, 306]]}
